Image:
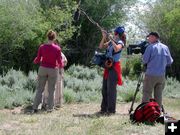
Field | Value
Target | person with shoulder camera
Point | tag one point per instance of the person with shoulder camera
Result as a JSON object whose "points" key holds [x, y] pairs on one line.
{"points": [[156, 58], [49, 57], [112, 72]]}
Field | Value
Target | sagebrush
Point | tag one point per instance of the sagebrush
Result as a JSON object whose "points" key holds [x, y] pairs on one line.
{"points": [[82, 84]]}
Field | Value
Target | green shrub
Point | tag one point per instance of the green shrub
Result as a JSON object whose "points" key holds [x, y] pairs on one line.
{"points": [[87, 89], [13, 89], [126, 69], [82, 79], [85, 83], [12, 78], [3, 96], [132, 66], [69, 95], [137, 67], [17, 89], [127, 96], [19, 98], [31, 81], [13, 98], [74, 83], [88, 96], [172, 88], [82, 72], [84, 90], [126, 92]]}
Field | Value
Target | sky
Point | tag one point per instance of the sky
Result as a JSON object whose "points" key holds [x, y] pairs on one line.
{"points": [[135, 34]]}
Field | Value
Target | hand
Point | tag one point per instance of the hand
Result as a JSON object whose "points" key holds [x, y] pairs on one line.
{"points": [[60, 71], [65, 63], [104, 33], [111, 37]]}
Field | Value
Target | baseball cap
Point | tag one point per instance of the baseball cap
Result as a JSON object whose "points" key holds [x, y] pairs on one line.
{"points": [[119, 30]]}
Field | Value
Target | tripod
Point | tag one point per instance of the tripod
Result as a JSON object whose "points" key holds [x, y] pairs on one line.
{"points": [[137, 90]]}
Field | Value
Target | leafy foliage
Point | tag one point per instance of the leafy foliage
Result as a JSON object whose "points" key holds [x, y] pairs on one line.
{"points": [[172, 88], [132, 66], [164, 16], [111, 13], [24, 24], [16, 89], [84, 82]]}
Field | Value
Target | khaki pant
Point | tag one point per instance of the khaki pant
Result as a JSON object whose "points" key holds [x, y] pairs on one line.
{"points": [[155, 83], [44, 75], [58, 94]]}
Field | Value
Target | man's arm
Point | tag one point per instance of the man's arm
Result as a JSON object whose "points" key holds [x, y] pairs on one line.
{"points": [[169, 58]]}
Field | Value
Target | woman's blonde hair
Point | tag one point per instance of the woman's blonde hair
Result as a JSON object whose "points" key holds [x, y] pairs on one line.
{"points": [[51, 35]]}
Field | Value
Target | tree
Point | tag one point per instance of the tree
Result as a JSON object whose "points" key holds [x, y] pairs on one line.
{"points": [[24, 24], [108, 13], [22, 28], [164, 16], [59, 13]]}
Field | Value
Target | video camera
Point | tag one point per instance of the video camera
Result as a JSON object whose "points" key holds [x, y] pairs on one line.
{"points": [[137, 48]]}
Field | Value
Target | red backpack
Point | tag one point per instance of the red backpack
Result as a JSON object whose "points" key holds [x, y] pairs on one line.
{"points": [[147, 112]]}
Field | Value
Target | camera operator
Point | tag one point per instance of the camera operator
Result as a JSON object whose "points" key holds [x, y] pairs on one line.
{"points": [[156, 57], [112, 75]]}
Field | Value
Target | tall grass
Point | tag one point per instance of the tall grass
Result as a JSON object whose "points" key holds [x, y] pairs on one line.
{"points": [[126, 92], [82, 84], [172, 88], [16, 89]]}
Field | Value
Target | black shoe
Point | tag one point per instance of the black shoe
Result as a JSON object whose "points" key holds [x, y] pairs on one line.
{"points": [[49, 110], [57, 107], [101, 113], [34, 111], [109, 113], [43, 107]]}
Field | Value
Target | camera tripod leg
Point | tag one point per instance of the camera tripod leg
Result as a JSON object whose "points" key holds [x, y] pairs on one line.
{"points": [[137, 90]]}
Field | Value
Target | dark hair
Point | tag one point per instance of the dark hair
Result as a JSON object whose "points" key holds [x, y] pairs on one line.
{"points": [[156, 34], [51, 35], [122, 36]]}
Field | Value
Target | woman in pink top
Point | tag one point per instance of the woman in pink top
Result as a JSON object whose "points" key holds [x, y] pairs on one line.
{"points": [[50, 60], [58, 93]]}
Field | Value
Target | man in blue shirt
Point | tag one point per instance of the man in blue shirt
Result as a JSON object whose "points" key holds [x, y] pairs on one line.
{"points": [[156, 58]]}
